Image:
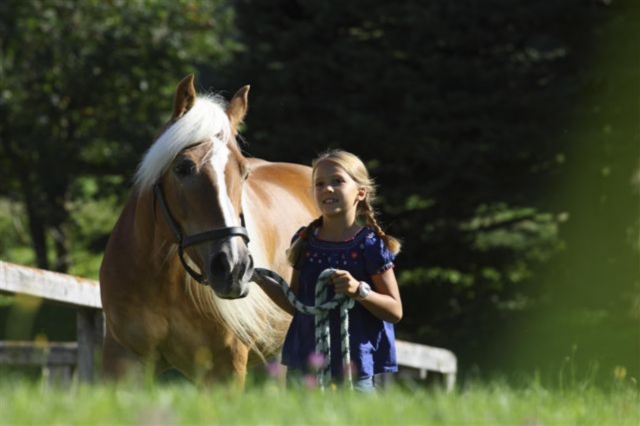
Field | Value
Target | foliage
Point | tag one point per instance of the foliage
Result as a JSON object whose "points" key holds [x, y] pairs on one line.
{"points": [[436, 111], [478, 123], [14, 243], [85, 88]]}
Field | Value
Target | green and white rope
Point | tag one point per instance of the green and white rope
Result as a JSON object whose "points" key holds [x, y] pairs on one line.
{"points": [[321, 313]]}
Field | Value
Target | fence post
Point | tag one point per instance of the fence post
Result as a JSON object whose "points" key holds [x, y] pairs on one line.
{"points": [[90, 330]]}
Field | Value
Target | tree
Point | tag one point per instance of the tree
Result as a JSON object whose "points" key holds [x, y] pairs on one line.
{"points": [[464, 113], [86, 86], [448, 104]]}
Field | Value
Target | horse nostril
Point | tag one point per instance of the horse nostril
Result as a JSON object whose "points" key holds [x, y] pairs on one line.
{"points": [[220, 264], [250, 265]]}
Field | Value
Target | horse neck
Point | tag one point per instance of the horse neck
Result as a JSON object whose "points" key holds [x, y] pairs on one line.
{"points": [[147, 239]]}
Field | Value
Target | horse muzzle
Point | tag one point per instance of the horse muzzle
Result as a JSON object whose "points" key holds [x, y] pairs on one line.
{"points": [[228, 271], [228, 276]]}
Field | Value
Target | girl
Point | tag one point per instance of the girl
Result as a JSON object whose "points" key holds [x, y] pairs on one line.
{"points": [[348, 238]]}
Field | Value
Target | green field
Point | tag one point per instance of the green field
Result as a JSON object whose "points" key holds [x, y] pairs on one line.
{"points": [[31, 403]]}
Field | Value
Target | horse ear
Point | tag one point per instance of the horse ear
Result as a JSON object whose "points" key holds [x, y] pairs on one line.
{"points": [[184, 97], [238, 106]]}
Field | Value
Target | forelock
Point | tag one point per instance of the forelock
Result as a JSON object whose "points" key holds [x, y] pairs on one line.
{"points": [[206, 121]]}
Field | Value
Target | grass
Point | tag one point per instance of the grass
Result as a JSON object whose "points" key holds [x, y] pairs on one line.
{"points": [[24, 402]]}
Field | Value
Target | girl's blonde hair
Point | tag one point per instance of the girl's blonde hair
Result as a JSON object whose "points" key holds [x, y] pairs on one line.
{"points": [[365, 213]]}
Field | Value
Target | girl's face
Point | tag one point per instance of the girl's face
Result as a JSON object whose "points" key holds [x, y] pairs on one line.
{"points": [[335, 191]]}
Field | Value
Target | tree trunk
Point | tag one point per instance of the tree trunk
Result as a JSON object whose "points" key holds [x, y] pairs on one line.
{"points": [[63, 260], [37, 231]]}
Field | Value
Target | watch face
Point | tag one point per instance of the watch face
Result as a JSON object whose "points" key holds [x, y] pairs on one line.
{"points": [[363, 290]]}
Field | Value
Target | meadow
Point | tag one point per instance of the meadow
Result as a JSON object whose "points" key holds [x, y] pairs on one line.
{"points": [[29, 402]]}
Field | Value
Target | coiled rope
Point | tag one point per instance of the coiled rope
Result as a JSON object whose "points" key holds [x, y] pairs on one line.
{"points": [[321, 313]]}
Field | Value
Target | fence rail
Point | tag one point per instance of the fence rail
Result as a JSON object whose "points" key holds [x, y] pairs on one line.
{"points": [[84, 295], [57, 358]]}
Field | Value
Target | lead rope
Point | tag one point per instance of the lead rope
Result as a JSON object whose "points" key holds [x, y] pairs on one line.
{"points": [[321, 313]]}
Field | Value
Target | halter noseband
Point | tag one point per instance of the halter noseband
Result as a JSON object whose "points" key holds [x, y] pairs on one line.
{"points": [[190, 240]]}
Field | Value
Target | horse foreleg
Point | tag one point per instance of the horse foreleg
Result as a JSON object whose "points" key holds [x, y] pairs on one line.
{"points": [[228, 366], [120, 363], [117, 361]]}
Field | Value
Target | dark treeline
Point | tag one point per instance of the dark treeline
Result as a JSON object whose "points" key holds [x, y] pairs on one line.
{"points": [[503, 135]]}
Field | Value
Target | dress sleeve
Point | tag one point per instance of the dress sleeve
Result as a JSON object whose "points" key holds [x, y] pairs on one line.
{"points": [[378, 258]]}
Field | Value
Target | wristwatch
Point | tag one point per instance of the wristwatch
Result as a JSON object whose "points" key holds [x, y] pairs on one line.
{"points": [[363, 290]]}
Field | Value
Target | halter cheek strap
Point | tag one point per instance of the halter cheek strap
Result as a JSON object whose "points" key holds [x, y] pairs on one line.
{"points": [[190, 240], [158, 195]]}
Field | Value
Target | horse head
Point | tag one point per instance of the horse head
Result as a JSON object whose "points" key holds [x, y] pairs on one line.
{"points": [[197, 172]]}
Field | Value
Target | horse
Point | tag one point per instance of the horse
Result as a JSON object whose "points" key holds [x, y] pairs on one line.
{"points": [[176, 275]]}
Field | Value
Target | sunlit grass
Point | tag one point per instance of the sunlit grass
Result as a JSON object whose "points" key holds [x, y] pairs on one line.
{"points": [[26, 402]]}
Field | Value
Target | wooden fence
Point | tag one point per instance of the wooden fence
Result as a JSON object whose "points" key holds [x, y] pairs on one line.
{"points": [[62, 359], [56, 358]]}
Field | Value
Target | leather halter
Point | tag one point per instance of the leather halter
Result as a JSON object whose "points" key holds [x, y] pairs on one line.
{"points": [[190, 240]]}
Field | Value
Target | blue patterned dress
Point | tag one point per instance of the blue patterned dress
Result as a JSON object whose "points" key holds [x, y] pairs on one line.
{"points": [[372, 340]]}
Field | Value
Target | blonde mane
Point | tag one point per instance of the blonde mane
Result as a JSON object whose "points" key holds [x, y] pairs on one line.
{"points": [[255, 319]]}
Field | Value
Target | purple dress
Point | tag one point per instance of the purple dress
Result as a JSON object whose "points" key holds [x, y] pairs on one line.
{"points": [[372, 340]]}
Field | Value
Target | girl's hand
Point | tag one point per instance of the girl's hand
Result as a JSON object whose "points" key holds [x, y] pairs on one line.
{"points": [[384, 299], [344, 283]]}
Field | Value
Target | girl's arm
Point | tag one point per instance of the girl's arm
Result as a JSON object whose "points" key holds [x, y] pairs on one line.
{"points": [[276, 293], [384, 299]]}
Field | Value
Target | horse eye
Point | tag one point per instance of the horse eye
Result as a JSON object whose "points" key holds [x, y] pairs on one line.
{"points": [[184, 168]]}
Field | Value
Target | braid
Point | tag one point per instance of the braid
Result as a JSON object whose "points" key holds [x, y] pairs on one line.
{"points": [[366, 211], [294, 251]]}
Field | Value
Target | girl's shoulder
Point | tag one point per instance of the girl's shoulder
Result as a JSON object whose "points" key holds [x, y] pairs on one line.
{"points": [[372, 242], [378, 257], [370, 237]]}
